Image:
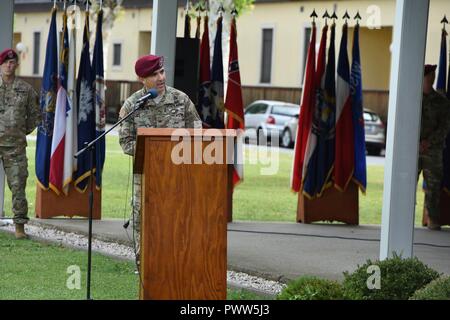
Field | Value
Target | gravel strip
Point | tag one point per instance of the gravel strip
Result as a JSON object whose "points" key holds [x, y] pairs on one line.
{"points": [[237, 279]]}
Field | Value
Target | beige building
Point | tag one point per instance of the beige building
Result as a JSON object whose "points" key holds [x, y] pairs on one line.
{"points": [[272, 40]]}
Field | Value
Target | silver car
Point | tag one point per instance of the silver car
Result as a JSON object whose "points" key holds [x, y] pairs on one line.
{"points": [[375, 133], [266, 119]]}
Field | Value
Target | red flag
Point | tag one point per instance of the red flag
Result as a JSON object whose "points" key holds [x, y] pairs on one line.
{"points": [[306, 114], [204, 99], [345, 151], [233, 102]]}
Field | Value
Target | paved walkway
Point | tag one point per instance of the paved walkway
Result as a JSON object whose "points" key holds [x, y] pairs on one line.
{"points": [[284, 251]]}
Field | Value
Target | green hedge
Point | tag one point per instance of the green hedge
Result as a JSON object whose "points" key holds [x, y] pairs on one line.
{"points": [[438, 289], [311, 288], [399, 279]]}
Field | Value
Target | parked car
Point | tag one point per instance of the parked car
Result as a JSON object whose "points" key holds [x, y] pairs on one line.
{"points": [[375, 133], [263, 118], [266, 116]]}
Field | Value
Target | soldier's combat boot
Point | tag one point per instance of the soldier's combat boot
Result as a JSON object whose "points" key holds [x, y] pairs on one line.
{"points": [[20, 231], [433, 224]]}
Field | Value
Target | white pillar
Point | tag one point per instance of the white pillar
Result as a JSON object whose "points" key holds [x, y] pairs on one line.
{"points": [[6, 24], [405, 104], [6, 40], [164, 33]]}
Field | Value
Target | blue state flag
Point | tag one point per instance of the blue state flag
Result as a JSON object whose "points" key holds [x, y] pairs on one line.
{"points": [[48, 104], [360, 173], [441, 85], [100, 109], [444, 87], [215, 119], [86, 112]]}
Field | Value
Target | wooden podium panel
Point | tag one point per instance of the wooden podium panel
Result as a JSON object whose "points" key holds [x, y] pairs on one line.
{"points": [[49, 204], [445, 211], [332, 206], [184, 219]]}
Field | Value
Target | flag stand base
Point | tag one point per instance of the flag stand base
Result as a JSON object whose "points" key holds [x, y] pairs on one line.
{"points": [[445, 211], [49, 204], [332, 206]]}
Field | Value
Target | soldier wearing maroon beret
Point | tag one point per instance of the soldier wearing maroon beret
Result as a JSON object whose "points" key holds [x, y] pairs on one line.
{"points": [[19, 116], [170, 109]]}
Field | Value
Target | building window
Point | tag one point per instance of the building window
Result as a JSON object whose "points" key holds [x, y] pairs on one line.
{"points": [[36, 52], [266, 60], [117, 54]]}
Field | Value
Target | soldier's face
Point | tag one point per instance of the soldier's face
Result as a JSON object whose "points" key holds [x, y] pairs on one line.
{"points": [[8, 68], [156, 80]]}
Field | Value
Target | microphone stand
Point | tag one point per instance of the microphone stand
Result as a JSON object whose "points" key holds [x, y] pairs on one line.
{"points": [[90, 146]]}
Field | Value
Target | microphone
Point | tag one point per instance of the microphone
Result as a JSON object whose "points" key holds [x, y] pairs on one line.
{"points": [[151, 94]]}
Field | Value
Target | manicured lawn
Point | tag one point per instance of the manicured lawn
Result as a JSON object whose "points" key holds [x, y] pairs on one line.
{"points": [[31, 270], [259, 198]]}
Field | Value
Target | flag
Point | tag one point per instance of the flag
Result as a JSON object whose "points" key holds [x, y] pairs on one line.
{"points": [[442, 86], [197, 31], [312, 172], [86, 112], [306, 114], [187, 25], [100, 109], [360, 174], [345, 151], [59, 130], [71, 143], [47, 103], [204, 92], [233, 102], [215, 116], [328, 115]]}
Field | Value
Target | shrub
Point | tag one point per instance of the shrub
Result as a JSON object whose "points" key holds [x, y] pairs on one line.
{"points": [[399, 279], [438, 289], [311, 288]]}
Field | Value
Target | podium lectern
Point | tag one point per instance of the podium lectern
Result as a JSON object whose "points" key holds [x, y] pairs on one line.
{"points": [[184, 212]]}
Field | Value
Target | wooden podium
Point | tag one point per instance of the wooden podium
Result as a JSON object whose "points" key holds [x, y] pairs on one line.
{"points": [[49, 204], [332, 206], [184, 212]]}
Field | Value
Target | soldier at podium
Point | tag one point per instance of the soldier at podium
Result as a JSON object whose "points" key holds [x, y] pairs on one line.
{"points": [[170, 109]]}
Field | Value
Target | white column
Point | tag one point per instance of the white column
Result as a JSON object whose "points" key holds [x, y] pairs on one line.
{"points": [[164, 33], [6, 39], [405, 104], [6, 24]]}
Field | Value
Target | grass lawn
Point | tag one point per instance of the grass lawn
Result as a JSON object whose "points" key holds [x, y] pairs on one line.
{"points": [[31, 270], [258, 198]]}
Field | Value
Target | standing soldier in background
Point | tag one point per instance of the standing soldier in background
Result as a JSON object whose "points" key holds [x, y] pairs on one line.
{"points": [[434, 128], [19, 116], [170, 109]]}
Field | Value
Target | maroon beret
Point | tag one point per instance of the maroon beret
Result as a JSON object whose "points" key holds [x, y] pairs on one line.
{"points": [[429, 68], [7, 54], [146, 65]]}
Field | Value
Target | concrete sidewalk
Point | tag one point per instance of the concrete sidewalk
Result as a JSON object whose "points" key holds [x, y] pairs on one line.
{"points": [[284, 251]]}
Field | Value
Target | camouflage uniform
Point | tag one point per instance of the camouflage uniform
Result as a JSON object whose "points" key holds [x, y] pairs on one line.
{"points": [[19, 116], [434, 128], [174, 110]]}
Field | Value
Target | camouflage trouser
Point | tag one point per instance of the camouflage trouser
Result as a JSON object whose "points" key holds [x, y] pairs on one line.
{"points": [[432, 167], [137, 211], [16, 170]]}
